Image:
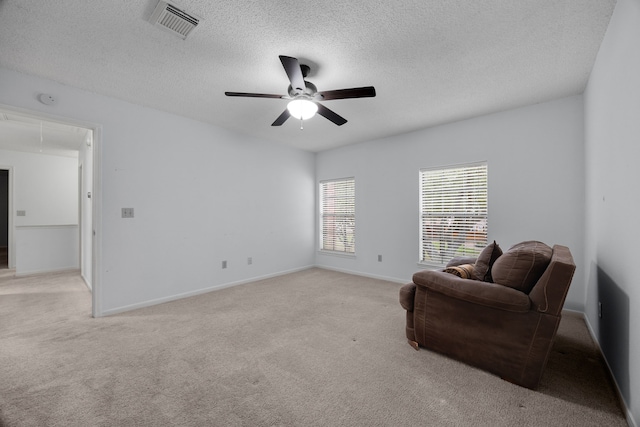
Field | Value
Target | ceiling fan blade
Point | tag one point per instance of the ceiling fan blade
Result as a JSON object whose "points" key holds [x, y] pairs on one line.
{"points": [[254, 95], [330, 115], [281, 118], [356, 92], [294, 72]]}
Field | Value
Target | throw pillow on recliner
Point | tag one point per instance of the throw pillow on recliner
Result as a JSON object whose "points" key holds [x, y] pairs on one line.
{"points": [[522, 265], [484, 262]]}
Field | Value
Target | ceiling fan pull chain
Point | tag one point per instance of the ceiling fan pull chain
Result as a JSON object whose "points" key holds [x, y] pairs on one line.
{"points": [[301, 120]]}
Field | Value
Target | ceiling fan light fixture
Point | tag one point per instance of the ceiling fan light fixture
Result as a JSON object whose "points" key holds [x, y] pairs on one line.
{"points": [[305, 97], [302, 109]]}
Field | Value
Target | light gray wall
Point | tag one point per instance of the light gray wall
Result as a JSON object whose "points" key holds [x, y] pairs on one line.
{"points": [[536, 189], [612, 115], [46, 249], [45, 187], [201, 195]]}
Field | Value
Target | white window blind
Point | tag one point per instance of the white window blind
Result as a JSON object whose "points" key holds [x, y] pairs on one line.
{"points": [[453, 212], [338, 215]]}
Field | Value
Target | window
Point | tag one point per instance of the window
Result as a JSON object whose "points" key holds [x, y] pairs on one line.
{"points": [[453, 212], [337, 215]]}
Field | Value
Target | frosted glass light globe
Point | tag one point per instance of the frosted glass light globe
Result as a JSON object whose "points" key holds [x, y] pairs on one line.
{"points": [[302, 109]]}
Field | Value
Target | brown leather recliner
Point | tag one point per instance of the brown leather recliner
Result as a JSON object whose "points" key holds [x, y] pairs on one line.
{"points": [[505, 328]]}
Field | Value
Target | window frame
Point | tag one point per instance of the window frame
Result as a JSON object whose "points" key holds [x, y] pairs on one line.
{"points": [[330, 249], [477, 219]]}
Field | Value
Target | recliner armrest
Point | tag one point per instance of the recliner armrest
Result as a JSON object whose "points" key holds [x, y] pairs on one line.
{"points": [[473, 291], [407, 296]]}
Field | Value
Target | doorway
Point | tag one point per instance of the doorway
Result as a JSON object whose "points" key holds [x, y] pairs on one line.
{"points": [[4, 218], [29, 140]]}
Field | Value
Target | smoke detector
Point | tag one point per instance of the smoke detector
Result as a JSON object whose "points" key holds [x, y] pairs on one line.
{"points": [[174, 19], [47, 99]]}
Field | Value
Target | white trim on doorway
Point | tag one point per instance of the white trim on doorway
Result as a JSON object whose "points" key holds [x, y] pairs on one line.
{"points": [[96, 196]]}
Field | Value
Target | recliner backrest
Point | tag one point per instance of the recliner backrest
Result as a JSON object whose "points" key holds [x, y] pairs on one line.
{"points": [[549, 293]]}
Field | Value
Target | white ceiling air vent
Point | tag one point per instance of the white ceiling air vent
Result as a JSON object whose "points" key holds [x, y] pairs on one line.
{"points": [[173, 19]]}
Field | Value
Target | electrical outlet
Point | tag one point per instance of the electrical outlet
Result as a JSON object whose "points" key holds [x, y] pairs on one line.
{"points": [[127, 212], [21, 213], [379, 258], [249, 261], [224, 264], [599, 309]]}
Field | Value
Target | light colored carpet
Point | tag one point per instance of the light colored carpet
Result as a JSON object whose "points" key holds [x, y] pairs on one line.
{"points": [[313, 348]]}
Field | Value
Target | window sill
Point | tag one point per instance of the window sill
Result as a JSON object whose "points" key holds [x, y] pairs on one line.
{"points": [[337, 254], [430, 266]]}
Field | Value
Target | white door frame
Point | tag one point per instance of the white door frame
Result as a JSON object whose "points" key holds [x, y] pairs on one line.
{"points": [[96, 199]]}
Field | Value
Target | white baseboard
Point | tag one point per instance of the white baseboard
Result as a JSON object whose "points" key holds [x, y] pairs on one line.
{"points": [[358, 273], [41, 272], [198, 292], [629, 416], [176, 297], [86, 282]]}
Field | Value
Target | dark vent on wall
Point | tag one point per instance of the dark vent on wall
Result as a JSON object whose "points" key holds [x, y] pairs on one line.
{"points": [[173, 19]]}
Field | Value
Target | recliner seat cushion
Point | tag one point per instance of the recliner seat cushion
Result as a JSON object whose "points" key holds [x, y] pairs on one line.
{"points": [[522, 265]]}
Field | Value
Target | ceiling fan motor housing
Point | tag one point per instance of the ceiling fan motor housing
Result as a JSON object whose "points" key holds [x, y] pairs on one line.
{"points": [[310, 89]]}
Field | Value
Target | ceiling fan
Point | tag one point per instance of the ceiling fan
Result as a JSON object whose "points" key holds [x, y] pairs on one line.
{"points": [[304, 96]]}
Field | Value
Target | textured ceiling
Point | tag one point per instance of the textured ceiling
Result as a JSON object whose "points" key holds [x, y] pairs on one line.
{"points": [[431, 61]]}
